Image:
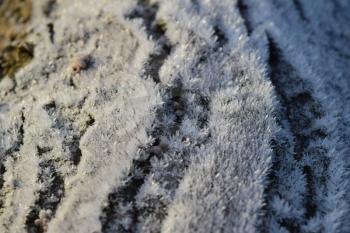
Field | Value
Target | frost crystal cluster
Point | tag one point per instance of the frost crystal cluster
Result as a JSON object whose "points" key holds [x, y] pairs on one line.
{"points": [[179, 116]]}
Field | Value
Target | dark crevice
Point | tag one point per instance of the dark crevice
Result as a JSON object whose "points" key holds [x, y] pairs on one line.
{"points": [[175, 105], [310, 186], [243, 10], [50, 106], [195, 2], [50, 28], [71, 82], [43, 150], [296, 104], [13, 88], [121, 203], [300, 10], [90, 122], [221, 38], [49, 7], [301, 110], [155, 62], [291, 225], [154, 207], [72, 144], [21, 133], [156, 29], [204, 102], [196, 5], [121, 206], [280, 146], [147, 12], [49, 196], [75, 151], [2, 181]]}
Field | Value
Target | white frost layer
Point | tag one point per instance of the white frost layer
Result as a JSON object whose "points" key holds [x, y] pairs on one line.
{"points": [[186, 116]]}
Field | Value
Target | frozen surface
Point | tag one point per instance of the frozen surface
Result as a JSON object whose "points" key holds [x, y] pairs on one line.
{"points": [[179, 116]]}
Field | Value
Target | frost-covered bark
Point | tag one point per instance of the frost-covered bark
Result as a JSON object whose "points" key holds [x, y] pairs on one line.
{"points": [[179, 116]]}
